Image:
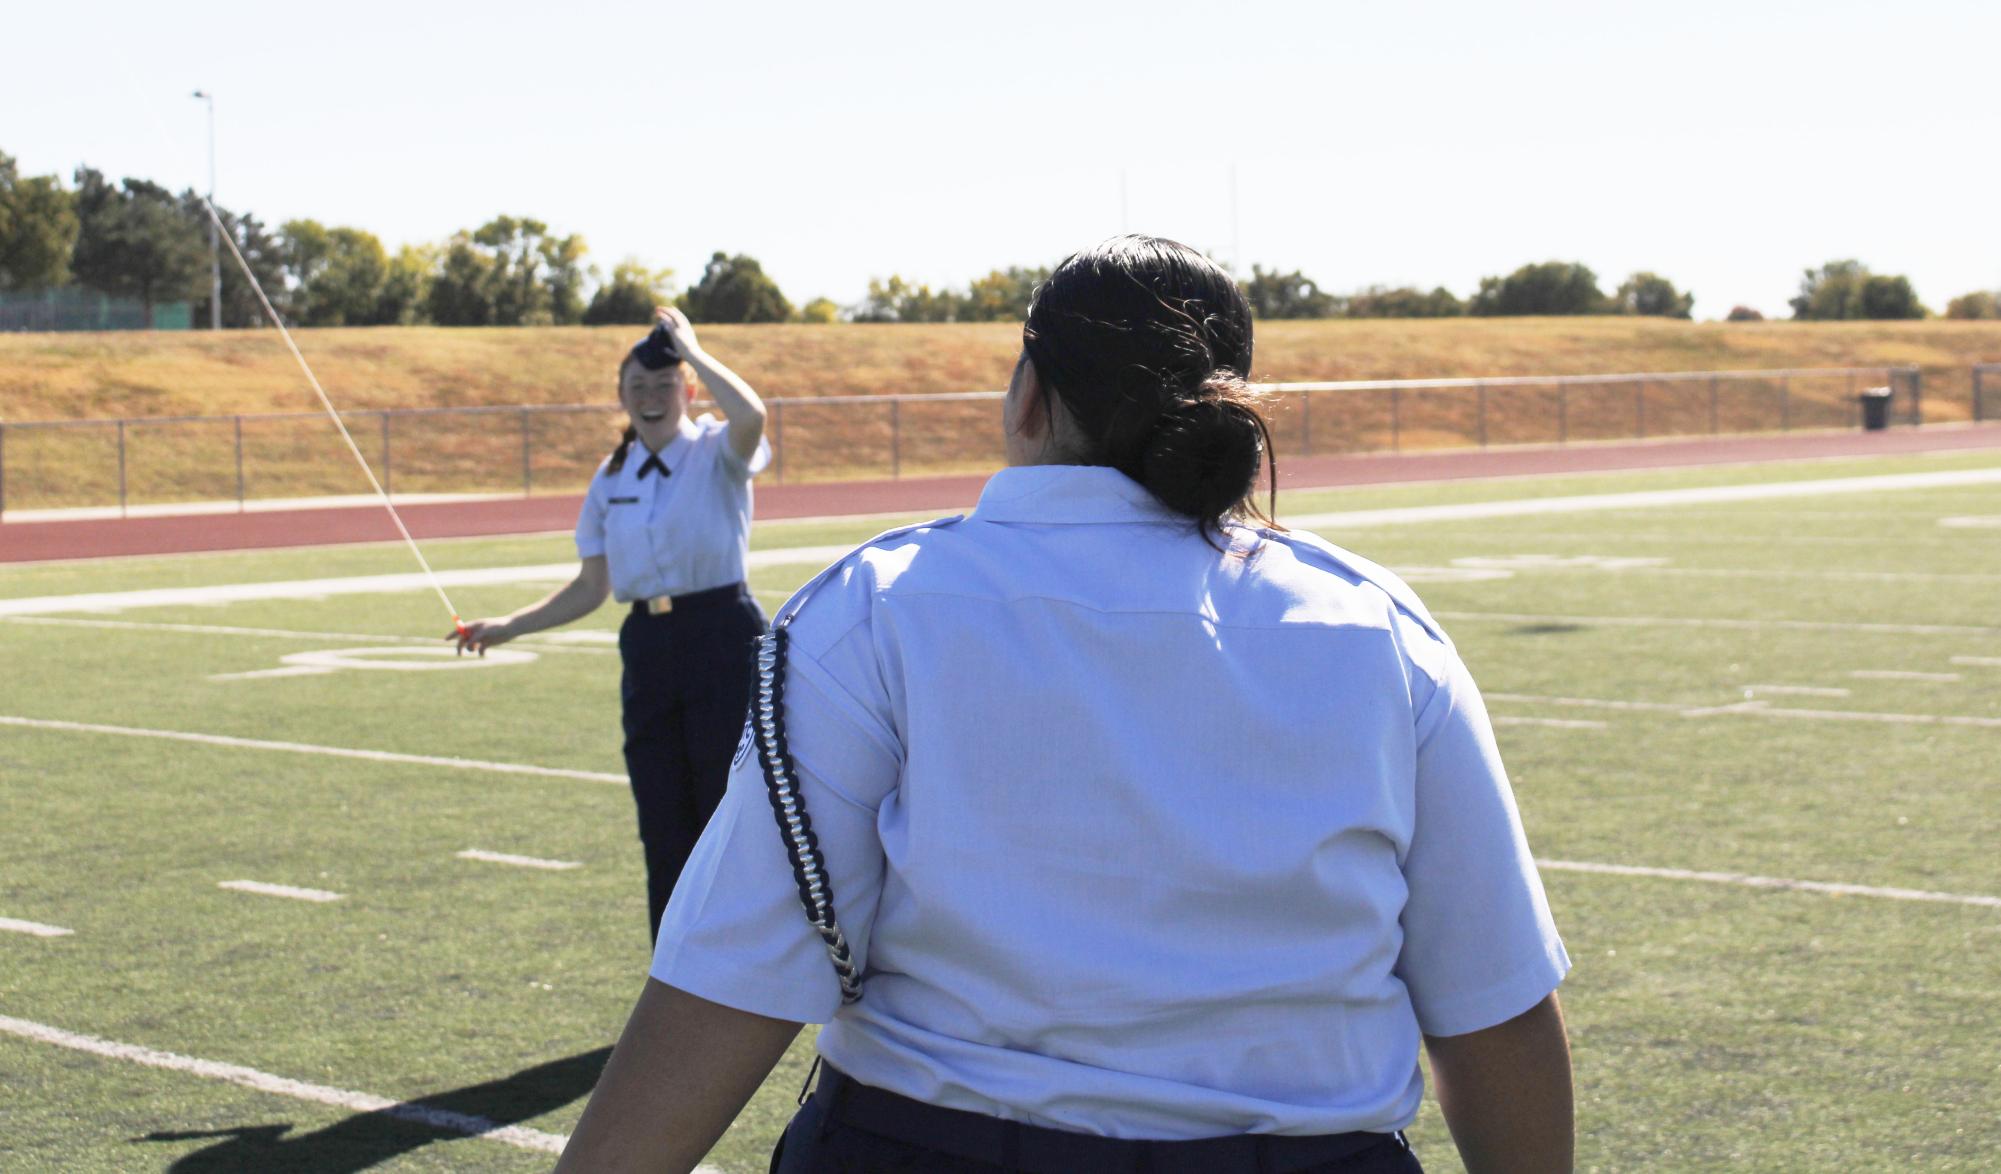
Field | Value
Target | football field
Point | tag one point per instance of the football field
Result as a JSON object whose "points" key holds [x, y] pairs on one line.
{"points": [[286, 886]]}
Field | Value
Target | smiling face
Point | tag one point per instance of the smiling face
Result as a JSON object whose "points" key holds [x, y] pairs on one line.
{"points": [[655, 401]]}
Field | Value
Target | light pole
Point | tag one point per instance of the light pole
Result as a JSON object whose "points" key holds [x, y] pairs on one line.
{"points": [[214, 246]]}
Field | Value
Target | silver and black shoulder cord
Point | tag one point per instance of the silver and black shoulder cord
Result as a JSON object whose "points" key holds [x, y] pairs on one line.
{"points": [[816, 892]]}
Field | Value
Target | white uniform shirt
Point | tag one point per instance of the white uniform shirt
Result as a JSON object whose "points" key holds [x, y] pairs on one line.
{"points": [[1130, 837], [673, 535]]}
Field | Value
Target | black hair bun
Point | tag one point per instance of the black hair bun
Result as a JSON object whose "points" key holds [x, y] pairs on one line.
{"points": [[1203, 455]]}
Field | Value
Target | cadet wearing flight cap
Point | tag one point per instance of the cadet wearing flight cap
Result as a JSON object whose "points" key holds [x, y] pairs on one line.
{"points": [[665, 528]]}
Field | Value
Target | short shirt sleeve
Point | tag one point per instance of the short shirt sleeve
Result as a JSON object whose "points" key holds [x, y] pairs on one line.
{"points": [[736, 466], [590, 519], [735, 931], [1479, 946]]}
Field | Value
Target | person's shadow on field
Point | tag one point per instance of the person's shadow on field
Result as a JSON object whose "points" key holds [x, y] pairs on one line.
{"points": [[365, 1139]]}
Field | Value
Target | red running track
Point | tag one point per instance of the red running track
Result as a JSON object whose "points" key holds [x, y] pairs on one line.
{"points": [[174, 534]]}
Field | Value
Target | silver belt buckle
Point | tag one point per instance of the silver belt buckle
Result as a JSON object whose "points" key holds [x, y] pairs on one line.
{"points": [[660, 605]]}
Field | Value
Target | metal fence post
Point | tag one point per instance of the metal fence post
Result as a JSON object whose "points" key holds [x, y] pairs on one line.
{"points": [[385, 453], [1917, 396], [1785, 403], [1396, 421], [1480, 410], [527, 454], [1306, 422], [1979, 399], [1712, 406], [1563, 413], [240, 494], [895, 439], [778, 441], [1640, 411], [121, 466]]}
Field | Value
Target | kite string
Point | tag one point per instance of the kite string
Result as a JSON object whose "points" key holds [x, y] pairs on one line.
{"points": [[229, 239]]}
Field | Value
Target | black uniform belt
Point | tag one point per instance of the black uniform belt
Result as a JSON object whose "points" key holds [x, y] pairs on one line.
{"points": [[1016, 1145], [669, 604]]}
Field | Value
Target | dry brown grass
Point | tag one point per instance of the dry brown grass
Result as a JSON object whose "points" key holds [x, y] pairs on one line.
{"points": [[104, 376], [97, 376]]}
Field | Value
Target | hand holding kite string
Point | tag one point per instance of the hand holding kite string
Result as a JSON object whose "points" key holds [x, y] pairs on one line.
{"points": [[479, 635]]}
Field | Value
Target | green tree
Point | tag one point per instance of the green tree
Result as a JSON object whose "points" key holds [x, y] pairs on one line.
{"points": [[405, 296], [38, 228], [136, 240], [1744, 314], [262, 250], [1002, 295], [630, 296], [735, 289], [335, 275], [1288, 295], [509, 271], [1979, 304], [1847, 290], [1378, 301], [1548, 288], [1652, 296], [820, 312]]}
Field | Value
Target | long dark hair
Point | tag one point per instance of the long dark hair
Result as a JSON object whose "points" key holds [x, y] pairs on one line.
{"points": [[617, 461], [1147, 343]]}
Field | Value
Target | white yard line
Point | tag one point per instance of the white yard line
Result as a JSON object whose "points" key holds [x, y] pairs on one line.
{"points": [[1559, 723], [340, 1098], [33, 928], [558, 642], [1752, 709], [1985, 662], [1773, 882], [113, 601], [266, 890], [1900, 675], [516, 768], [1646, 499], [518, 861], [1509, 617], [1798, 690]]}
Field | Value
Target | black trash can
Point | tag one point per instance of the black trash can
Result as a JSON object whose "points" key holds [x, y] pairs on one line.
{"points": [[1875, 408]]}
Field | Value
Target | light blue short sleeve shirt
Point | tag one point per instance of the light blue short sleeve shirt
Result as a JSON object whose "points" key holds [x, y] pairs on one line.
{"points": [[684, 532], [1130, 836]]}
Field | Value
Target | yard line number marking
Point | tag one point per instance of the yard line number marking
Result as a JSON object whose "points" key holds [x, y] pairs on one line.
{"points": [[517, 768], [518, 861], [1773, 882], [264, 890], [33, 928]]}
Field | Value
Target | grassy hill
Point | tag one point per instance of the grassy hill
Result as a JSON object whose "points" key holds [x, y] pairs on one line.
{"points": [[97, 376]]}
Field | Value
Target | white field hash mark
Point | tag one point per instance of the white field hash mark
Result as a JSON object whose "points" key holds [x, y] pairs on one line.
{"points": [[1900, 675], [518, 861], [264, 890], [33, 928], [1560, 723], [340, 1098], [1752, 709], [1774, 882], [306, 748]]}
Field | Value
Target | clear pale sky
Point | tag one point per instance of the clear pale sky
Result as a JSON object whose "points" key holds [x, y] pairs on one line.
{"points": [[1727, 144]]}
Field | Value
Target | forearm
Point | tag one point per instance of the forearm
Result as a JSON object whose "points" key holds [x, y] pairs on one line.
{"points": [[1506, 1094], [572, 601], [682, 1071], [740, 405]]}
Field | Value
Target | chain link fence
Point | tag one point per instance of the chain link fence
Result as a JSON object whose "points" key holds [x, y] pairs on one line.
{"points": [[554, 448]]}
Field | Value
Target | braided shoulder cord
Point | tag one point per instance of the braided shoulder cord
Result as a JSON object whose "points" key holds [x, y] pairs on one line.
{"points": [[816, 892]]}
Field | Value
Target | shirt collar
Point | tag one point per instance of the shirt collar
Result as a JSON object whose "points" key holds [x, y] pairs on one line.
{"points": [[1068, 494], [687, 434]]}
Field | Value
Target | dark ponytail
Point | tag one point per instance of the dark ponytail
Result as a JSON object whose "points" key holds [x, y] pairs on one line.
{"points": [[1147, 343], [624, 446]]}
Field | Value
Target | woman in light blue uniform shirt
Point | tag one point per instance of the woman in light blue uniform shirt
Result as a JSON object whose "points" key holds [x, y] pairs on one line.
{"points": [[1147, 834], [665, 528]]}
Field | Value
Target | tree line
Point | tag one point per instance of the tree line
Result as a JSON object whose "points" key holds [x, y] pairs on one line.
{"points": [[137, 239]]}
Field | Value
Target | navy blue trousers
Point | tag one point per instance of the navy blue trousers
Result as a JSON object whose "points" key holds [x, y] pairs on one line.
{"points": [[686, 690]]}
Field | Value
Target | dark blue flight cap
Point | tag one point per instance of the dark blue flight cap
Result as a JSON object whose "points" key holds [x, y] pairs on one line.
{"points": [[656, 350]]}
